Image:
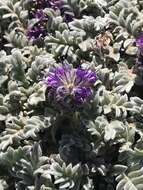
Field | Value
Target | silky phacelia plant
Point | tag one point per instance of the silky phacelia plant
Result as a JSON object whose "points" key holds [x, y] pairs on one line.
{"points": [[69, 83], [71, 95]]}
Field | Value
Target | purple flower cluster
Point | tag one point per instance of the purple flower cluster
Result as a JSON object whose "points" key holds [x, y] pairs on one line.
{"points": [[138, 67], [36, 7], [40, 15], [69, 84], [38, 30], [139, 43]]}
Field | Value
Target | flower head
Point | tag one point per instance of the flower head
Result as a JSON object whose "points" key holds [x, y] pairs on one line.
{"points": [[40, 15], [66, 83], [139, 43], [57, 5], [138, 67], [38, 30]]}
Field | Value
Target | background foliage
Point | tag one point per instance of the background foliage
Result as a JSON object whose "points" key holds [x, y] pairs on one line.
{"points": [[98, 147]]}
